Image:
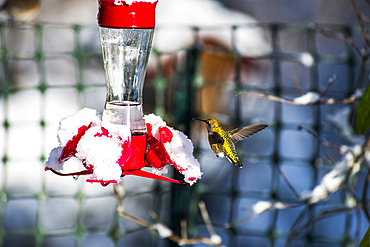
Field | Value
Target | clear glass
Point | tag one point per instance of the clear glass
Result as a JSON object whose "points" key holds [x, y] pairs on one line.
{"points": [[125, 55]]}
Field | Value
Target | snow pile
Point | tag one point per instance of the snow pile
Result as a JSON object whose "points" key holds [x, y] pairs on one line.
{"points": [[105, 148], [339, 119], [308, 98], [177, 146], [332, 181], [69, 126], [99, 145], [52, 162], [101, 149], [163, 231], [261, 207], [306, 59]]}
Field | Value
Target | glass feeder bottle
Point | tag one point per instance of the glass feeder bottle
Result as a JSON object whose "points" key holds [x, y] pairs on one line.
{"points": [[125, 54], [126, 33]]}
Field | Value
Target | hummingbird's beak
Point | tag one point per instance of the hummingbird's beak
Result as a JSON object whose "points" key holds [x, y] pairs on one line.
{"points": [[199, 119]]}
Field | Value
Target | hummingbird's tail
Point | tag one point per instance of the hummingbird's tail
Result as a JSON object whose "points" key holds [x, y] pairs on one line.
{"points": [[239, 164]]}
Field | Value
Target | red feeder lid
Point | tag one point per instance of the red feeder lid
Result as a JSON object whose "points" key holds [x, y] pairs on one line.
{"points": [[118, 13]]}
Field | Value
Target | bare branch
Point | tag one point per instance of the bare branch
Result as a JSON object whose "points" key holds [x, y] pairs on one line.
{"points": [[342, 37], [358, 228], [361, 22], [267, 96], [296, 230], [184, 232], [162, 230], [318, 99], [295, 225], [286, 180], [322, 141], [120, 210], [364, 196], [330, 82], [206, 219], [341, 173], [265, 206], [297, 86]]}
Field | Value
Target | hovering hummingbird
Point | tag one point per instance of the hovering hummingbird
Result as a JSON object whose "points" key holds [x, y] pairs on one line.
{"points": [[222, 142]]}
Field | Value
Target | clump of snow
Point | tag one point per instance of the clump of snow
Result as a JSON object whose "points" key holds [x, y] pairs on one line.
{"points": [[306, 59], [101, 152], [98, 152], [279, 205], [52, 161], [68, 127], [308, 98], [156, 122], [358, 93], [117, 131], [351, 202], [103, 147], [163, 231], [129, 2], [332, 181], [261, 207], [340, 118], [216, 239], [179, 149]]}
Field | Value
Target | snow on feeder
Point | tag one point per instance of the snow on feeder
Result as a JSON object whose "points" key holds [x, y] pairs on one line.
{"points": [[122, 141]]}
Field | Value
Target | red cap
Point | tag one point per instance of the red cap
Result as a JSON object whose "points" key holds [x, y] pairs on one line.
{"points": [[116, 13]]}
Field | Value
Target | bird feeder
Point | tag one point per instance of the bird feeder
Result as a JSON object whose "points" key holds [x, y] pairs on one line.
{"points": [[122, 141]]}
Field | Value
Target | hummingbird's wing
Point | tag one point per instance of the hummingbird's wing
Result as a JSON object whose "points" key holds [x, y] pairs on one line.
{"points": [[240, 134], [215, 138]]}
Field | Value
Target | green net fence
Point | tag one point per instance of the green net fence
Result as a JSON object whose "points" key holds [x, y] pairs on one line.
{"points": [[50, 71]]}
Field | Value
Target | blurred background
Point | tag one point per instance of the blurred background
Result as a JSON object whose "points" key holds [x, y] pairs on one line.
{"points": [[205, 54]]}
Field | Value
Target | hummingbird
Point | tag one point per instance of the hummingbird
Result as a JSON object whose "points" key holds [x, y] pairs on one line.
{"points": [[222, 141]]}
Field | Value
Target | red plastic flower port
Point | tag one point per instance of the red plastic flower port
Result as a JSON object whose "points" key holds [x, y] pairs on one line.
{"points": [[109, 152]]}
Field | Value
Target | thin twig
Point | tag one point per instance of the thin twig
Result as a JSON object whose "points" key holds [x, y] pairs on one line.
{"points": [[275, 206], [361, 22], [330, 82], [321, 101], [184, 227], [119, 191], [364, 54], [358, 228], [340, 36], [311, 220], [134, 219], [286, 180], [121, 212], [321, 140], [296, 223], [206, 219], [159, 227], [297, 86], [364, 195]]}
